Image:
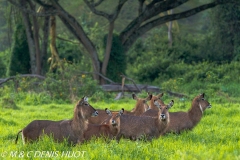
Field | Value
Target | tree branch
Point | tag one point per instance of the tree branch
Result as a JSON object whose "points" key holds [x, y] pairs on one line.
{"points": [[22, 75], [49, 12], [148, 26], [92, 6], [151, 10], [98, 3], [109, 17]]}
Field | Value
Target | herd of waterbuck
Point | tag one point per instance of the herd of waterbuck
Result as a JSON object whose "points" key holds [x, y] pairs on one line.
{"points": [[143, 122]]}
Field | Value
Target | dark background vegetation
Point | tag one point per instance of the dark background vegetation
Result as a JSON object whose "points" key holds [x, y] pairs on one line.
{"points": [[204, 56]]}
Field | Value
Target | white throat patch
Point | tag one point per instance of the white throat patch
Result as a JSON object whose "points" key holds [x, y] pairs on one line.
{"points": [[200, 106]]}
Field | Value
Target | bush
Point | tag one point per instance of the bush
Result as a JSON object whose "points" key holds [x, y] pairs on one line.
{"points": [[20, 57]]}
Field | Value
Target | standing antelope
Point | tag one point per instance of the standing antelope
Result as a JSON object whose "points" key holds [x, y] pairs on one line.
{"points": [[72, 130], [180, 121], [108, 130], [134, 127], [140, 107]]}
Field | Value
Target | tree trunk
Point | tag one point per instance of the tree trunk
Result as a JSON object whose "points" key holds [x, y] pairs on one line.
{"points": [[45, 44], [55, 60], [108, 51], [170, 31], [36, 40], [31, 44], [76, 29]]}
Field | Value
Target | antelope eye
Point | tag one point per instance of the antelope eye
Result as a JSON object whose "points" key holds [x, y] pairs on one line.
{"points": [[203, 99]]}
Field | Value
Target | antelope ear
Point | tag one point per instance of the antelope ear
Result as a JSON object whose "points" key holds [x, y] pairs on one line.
{"points": [[149, 97], [134, 96], [201, 96], [160, 95], [108, 111], [121, 112], [85, 99], [170, 104]]}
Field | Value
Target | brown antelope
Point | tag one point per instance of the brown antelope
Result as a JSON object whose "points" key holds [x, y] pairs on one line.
{"points": [[134, 127], [108, 130], [156, 98], [72, 130], [153, 109], [140, 107], [180, 121]]}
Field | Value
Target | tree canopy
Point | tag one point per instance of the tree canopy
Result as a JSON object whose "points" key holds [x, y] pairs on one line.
{"points": [[148, 14]]}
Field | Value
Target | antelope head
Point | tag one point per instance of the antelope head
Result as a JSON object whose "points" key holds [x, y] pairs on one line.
{"points": [[163, 110], [85, 109], [203, 104]]}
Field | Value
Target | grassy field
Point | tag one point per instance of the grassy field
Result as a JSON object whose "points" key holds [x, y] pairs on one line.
{"points": [[216, 137]]}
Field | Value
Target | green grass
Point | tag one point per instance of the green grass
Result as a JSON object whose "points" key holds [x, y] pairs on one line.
{"points": [[215, 137]]}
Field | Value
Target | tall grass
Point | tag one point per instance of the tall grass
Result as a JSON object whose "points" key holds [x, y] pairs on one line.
{"points": [[215, 137]]}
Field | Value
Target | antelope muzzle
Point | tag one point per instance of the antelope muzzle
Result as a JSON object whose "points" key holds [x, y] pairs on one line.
{"points": [[163, 117]]}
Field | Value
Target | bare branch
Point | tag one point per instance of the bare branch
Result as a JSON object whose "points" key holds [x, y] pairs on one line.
{"points": [[140, 8], [22, 75], [110, 17], [98, 3], [148, 13], [123, 76], [91, 5], [148, 26], [118, 9], [48, 12], [67, 40]]}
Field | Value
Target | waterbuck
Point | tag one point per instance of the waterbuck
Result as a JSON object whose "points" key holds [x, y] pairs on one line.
{"points": [[136, 127], [140, 107], [155, 98], [180, 121], [153, 109], [109, 130], [72, 130]]}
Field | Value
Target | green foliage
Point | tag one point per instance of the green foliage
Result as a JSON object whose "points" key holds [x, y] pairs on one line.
{"points": [[226, 32], [2, 69], [4, 61], [68, 85], [71, 83], [117, 60], [69, 51], [20, 58], [148, 58]]}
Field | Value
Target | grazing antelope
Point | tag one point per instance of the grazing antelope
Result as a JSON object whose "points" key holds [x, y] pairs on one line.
{"points": [[180, 121], [108, 130], [140, 107], [72, 130], [134, 127]]}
